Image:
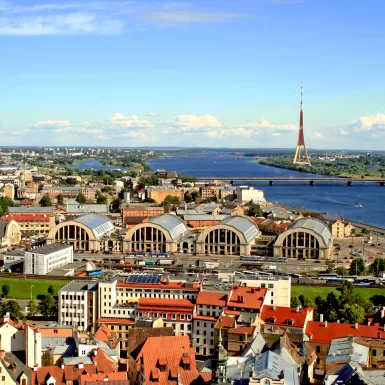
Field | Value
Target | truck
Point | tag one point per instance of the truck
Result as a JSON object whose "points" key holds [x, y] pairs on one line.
{"points": [[272, 267], [164, 262], [210, 264]]}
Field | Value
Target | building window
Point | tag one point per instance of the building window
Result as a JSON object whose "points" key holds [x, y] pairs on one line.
{"points": [[182, 317], [374, 352], [318, 349], [164, 315], [173, 316], [155, 315]]}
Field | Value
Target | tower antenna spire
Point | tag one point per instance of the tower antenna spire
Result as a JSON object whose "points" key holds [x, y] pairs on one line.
{"points": [[301, 139]]}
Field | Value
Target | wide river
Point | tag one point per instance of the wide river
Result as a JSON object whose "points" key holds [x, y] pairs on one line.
{"points": [[322, 197]]}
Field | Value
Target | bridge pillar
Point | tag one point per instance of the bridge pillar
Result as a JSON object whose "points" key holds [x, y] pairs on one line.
{"points": [[270, 182], [349, 183], [312, 183], [382, 183]]}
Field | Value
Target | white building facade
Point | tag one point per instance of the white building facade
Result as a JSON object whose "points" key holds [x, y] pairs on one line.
{"points": [[42, 260]]}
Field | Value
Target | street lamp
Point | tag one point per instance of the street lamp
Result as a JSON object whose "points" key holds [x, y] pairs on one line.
{"points": [[31, 291]]}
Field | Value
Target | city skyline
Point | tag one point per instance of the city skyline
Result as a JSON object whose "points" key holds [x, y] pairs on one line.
{"points": [[191, 74]]}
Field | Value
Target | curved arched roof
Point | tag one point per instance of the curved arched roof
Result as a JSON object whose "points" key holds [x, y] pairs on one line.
{"points": [[99, 224], [315, 225], [244, 225], [171, 223]]}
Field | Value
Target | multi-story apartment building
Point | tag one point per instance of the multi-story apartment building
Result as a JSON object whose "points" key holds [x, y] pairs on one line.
{"points": [[240, 300], [32, 219], [78, 304], [42, 260], [175, 313], [210, 192], [119, 296], [141, 211], [279, 287], [66, 191], [90, 192]]}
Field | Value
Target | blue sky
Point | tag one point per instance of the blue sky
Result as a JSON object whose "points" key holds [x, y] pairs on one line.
{"points": [[192, 73]]}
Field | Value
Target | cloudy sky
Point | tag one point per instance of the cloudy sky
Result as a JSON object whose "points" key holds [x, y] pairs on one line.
{"points": [[192, 73]]}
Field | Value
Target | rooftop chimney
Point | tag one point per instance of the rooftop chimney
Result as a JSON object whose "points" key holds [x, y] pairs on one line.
{"points": [[274, 307], [321, 318], [382, 313], [368, 323], [80, 365], [62, 366], [338, 321], [356, 325], [326, 324], [297, 309]]}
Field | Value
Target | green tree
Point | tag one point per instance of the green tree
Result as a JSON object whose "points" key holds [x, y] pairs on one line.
{"points": [[115, 205], [60, 199], [45, 201], [48, 306], [13, 308], [5, 289], [254, 210], [170, 203], [330, 266], [33, 308], [295, 302], [101, 199], [341, 271], [357, 267], [51, 289], [377, 266], [352, 313], [81, 198], [147, 181], [5, 202]]}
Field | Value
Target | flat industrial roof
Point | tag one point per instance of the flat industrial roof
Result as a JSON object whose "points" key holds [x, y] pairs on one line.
{"points": [[49, 249]]}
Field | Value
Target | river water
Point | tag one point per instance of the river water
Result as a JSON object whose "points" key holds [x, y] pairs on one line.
{"points": [[322, 197]]}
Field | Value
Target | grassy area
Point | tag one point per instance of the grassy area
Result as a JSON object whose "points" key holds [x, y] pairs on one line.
{"points": [[312, 292], [20, 288]]}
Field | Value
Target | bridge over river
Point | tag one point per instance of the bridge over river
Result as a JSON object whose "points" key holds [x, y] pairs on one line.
{"points": [[310, 180]]}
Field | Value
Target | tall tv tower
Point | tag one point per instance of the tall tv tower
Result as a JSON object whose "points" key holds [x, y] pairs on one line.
{"points": [[304, 160]]}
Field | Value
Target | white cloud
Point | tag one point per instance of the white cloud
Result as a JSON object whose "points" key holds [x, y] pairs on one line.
{"points": [[51, 124], [371, 123], [315, 135], [195, 123], [62, 18], [264, 126], [121, 121], [151, 114], [191, 17]]}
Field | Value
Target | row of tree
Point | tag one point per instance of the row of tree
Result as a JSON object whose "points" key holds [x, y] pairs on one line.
{"points": [[47, 305], [347, 307]]}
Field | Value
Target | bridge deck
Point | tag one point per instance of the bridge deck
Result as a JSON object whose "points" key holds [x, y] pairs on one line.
{"points": [[291, 179]]}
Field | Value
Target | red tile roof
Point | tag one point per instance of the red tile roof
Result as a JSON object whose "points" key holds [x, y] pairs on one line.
{"points": [[247, 297], [26, 218], [44, 373], [117, 376], [225, 322], [319, 333], [283, 316], [205, 318], [242, 330], [72, 372], [115, 321], [182, 304], [171, 352], [211, 298], [258, 220]]}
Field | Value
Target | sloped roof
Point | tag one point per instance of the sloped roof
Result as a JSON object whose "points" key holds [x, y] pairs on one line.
{"points": [[244, 225], [171, 352], [324, 334], [282, 315], [172, 224], [315, 225], [99, 224]]}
